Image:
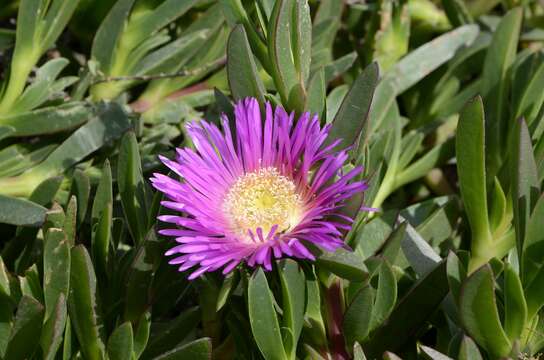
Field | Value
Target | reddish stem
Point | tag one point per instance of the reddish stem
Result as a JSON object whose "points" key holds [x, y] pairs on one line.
{"points": [[335, 313]]}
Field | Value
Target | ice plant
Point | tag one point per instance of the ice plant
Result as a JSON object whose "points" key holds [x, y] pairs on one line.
{"points": [[257, 195]]}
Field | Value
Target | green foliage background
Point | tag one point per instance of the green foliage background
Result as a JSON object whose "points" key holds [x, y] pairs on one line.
{"points": [[440, 100]]}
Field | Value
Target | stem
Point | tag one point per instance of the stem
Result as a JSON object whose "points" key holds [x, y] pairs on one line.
{"points": [[483, 251], [335, 313], [16, 85]]}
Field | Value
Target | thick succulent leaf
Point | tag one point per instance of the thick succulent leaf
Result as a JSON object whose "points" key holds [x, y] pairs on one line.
{"points": [[470, 148], [432, 354], [351, 119], [457, 12], [495, 84], [53, 329], [411, 312], [525, 181], [108, 34], [358, 315], [263, 318], [27, 327], [244, 81], [120, 343], [346, 264], [47, 120], [479, 314], [173, 333], [533, 261], [200, 349], [515, 306], [56, 269], [469, 350], [132, 187], [21, 212], [293, 301], [83, 306]]}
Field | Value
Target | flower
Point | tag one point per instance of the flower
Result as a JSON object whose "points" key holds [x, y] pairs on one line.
{"points": [[256, 196]]}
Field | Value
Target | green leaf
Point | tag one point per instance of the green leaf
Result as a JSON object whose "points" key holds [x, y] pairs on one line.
{"points": [[140, 276], [173, 333], [497, 211], [263, 319], [48, 120], [244, 80], [418, 252], [21, 212], [317, 95], [120, 343], [469, 350], [495, 84], [27, 327], [141, 335], [415, 66], [81, 188], [67, 346], [533, 261], [515, 306], [53, 329], [302, 39], [44, 86], [7, 38], [7, 307], [101, 221], [470, 148], [83, 305], [358, 353], [132, 187], [410, 313], [433, 354], [386, 295], [428, 57], [531, 98], [56, 269], [358, 315], [479, 314], [457, 12], [104, 194], [148, 24], [109, 124], [351, 119], [293, 302], [108, 34], [30, 284], [339, 66], [334, 100], [229, 285], [4, 280], [456, 275], [346, 264], [58, 15], [280, 49], [393, 243], [44, 193], [70, 221], [200, 349], [525, 181]]}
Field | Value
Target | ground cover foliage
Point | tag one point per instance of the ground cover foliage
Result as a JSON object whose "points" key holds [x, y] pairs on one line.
{"points": [[439, 100]]}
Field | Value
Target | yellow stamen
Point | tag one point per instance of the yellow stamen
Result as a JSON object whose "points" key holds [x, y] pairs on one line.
{"points": [[262, 199]]}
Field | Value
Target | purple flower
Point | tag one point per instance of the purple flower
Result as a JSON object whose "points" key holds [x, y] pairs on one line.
{"points": [[258, 195]]}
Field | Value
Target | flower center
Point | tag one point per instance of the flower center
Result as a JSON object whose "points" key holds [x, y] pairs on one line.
{"points": [[262, 199]]}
